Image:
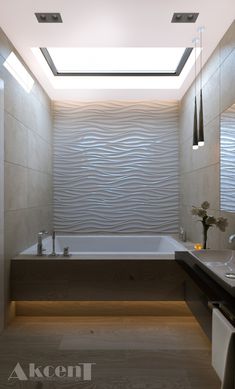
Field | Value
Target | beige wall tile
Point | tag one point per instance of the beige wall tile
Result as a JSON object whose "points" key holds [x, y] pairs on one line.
{"points": [[210, 153], [211, 97], [1, 199], [186, 155], [16, 139], [42, 96], [227, 43], [38, 219], [186, 121], [39, 153], [42, 121], [201, 185], [16, 185], [16, 232], [5, 45], [39, 189], [211, 66], [13, 102], [228, 82]]}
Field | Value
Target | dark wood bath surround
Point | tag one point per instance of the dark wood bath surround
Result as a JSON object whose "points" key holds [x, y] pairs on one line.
{"points": [[57, 279], [77, 280], [202, 292]]}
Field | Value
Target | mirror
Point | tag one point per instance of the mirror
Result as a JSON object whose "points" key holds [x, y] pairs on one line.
{"points": [[227, 160]]}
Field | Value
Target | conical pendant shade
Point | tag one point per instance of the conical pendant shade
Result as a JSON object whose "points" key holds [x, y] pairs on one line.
{"points": [[195, 129], [201, 123]]}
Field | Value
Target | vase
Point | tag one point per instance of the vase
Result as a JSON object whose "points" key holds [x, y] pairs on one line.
{"points": [[205, 231]]}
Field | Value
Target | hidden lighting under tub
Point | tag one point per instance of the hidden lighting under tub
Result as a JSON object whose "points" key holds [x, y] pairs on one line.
{"points": [[18, 71]]}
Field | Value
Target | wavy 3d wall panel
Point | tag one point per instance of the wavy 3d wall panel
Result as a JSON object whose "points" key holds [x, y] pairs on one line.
{"points": [[116, 167]]}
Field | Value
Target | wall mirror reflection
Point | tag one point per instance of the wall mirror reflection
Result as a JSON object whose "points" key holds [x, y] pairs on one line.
{"points": [[227, 160]]}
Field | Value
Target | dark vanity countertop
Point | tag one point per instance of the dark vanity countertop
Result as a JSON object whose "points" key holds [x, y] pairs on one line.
{"points": [[215, 291]]}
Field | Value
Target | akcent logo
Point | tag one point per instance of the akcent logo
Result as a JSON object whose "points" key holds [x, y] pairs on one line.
{"points": [[81, 372]]}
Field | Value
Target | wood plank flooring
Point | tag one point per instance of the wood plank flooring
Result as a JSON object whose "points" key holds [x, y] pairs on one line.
{"points": [[129, 352]]}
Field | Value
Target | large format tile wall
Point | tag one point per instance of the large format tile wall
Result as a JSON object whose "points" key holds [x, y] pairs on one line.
{"points": [[200, 169], [28, 162], [116, 167]]}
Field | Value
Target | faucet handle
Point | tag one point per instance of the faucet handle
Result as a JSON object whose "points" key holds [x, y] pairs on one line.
{"points": [[66, 252], [43, 232], [231, 239]]}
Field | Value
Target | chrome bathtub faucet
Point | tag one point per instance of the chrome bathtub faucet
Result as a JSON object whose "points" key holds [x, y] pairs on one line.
{"points": [[53, 253], [231, 239], [182, 234], [40, 248], [66, 252]]}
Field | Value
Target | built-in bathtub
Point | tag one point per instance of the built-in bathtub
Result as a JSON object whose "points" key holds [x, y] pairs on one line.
{"points": [[111, 247], [101, 268]]}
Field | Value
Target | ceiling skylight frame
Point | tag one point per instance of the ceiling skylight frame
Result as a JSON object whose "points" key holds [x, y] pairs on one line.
{"points": [[56, 73]]}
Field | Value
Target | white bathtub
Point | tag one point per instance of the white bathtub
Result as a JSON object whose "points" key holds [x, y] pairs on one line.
{"points": [[110, 247]]}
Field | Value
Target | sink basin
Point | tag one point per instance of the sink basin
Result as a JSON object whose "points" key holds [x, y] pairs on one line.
{"points": [[220, 263], [215, 256]]}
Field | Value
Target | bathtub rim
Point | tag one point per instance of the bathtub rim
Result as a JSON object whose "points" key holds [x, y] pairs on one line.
{"points": [[111, 255]]}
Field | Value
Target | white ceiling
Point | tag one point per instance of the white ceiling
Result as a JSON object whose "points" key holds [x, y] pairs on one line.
{"points": [[112, 23]]}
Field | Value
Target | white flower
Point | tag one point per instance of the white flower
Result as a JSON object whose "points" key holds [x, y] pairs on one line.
{"points": [[210, 220], [205, 205], [222, 223], [194, 211], [201, 212]]}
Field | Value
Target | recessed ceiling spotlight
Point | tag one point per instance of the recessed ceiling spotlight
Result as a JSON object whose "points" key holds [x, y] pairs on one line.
{"points": [[52, 17], [43, 17], [184, 17], [178, 16]]}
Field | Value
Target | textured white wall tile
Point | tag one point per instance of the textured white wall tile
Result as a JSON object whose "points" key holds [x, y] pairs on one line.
{"points": [[116, 167]]}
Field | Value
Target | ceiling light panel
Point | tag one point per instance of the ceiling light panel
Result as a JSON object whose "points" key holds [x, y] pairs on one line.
{"points": [[112, 82], [119, 61]]}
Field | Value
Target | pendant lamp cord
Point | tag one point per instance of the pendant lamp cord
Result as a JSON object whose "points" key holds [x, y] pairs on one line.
{"points": [[201, 59], [195, 68]]}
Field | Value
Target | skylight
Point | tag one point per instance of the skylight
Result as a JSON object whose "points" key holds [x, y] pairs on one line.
{"points": [[18, 71], [119, 61]]}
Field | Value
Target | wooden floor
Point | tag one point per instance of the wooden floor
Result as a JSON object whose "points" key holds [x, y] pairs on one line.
{"points": [[129, 352]]}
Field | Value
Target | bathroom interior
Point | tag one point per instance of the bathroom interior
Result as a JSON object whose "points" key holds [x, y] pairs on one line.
{"points": [[117, 194]]}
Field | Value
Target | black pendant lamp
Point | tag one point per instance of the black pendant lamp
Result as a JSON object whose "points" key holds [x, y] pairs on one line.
{"points": [[201, 123], [195, 128], [201, 120]]}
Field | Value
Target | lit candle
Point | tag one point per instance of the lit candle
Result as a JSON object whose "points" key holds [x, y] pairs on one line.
{"points": [[198, 246]]}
